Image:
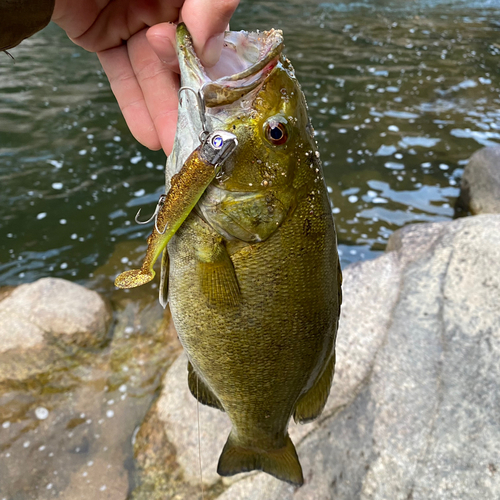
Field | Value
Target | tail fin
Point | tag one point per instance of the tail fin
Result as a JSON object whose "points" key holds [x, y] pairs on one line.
{"points": [[133, 278], [281, 463]]}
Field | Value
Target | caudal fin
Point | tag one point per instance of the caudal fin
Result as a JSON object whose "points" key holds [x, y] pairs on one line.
{"points": [[133, 278], [282, 463]]}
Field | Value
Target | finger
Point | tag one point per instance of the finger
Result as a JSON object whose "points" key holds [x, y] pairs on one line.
{"points": [[128, 93], [207, 20], [159, 87], [162, 39], [117, 22]]}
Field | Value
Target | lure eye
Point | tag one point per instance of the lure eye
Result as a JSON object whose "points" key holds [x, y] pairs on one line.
{"points": [[276, 133]]}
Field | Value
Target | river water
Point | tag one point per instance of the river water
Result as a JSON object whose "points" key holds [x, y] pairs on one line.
{"points": [[400, 94]]}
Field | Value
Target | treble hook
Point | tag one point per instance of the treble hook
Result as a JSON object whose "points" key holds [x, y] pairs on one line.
{"points": [[200, 101], [160, 203]]}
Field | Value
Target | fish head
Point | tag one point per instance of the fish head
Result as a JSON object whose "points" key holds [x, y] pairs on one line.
{"points": [[253, 93], [274, 133]]}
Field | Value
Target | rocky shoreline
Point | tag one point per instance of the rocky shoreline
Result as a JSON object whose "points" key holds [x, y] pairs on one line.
{"points": [[413, 411]]}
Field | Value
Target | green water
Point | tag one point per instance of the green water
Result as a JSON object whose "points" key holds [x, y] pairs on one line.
{"points": [[400, 94], [399, 97]]}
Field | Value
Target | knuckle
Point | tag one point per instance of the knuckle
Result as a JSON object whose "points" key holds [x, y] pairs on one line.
{"points": [[151, 71]]}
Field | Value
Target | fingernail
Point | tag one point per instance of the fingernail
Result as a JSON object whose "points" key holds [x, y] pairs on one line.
{"points": [[212, 50], [168, 54]]}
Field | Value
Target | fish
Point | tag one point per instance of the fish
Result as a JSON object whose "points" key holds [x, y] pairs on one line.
{"points": [[252, 275], [186, 188]]}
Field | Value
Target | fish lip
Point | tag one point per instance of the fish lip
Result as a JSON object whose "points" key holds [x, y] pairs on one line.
{"points": [[231, 87]]}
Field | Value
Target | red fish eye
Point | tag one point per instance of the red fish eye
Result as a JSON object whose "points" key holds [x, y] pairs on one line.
{"points": [[276, 134]]}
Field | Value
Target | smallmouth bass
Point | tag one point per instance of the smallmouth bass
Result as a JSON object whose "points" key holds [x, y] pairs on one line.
{"points": [[252, 275]]}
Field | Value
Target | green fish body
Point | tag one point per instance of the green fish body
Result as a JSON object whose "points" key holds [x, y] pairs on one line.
{"points": [[252, 275]]}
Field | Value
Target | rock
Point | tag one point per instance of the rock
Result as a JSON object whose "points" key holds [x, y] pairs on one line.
{"points": [[57, 307], [68, 414], [112, 481], [480, 188], [169, 435], [413, 411], [43, 315]]}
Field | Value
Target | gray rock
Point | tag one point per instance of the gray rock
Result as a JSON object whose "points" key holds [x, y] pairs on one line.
{"points": [[480, 187], [42, 315], [413, 411], [66, 431]]}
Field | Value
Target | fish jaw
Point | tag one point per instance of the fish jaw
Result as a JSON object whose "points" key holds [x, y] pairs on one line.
{"points": [[245, 61]]}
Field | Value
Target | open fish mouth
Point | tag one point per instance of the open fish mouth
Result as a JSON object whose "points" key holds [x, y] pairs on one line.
{"points": [[228, 88], [246, 60]]}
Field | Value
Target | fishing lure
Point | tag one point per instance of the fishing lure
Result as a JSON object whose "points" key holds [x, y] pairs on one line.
{"points": [[186, 188]]}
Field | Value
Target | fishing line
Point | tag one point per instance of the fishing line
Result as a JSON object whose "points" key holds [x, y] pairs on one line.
{"points": [[199, 439]]}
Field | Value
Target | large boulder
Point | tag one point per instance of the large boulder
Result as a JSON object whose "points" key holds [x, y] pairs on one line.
{"points": [[480, 187], [74, 388], [413, 411], [39, 319]]}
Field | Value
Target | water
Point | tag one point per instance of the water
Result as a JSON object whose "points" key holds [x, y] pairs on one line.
{"points": [[400, 94]]}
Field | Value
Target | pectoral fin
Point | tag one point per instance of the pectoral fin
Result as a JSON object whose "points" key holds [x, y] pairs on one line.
{"points": [[311, 404], [218, 278], [200, 390]]}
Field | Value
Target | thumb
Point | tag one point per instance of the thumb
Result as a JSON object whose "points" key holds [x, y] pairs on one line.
{"points": [[207, 20]]}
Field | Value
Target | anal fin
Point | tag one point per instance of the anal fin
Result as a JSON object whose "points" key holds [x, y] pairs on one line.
{"points": [[200, 390], [311, 404], [282, 463]]}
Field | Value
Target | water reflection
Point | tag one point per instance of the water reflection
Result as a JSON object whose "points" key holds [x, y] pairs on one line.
{"points": [[400, 93]]}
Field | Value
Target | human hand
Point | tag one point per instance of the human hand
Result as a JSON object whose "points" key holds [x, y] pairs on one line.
{"points": [[143, 72]]}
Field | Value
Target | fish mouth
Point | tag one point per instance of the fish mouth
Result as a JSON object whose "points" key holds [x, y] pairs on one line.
{"points": [[246, 60]]}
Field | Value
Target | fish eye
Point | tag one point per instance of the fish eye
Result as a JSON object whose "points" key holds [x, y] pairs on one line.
{"points": [[276, 133]]}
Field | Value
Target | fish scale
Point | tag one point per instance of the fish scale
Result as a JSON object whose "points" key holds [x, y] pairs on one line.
{"points": [[261, 356]]}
